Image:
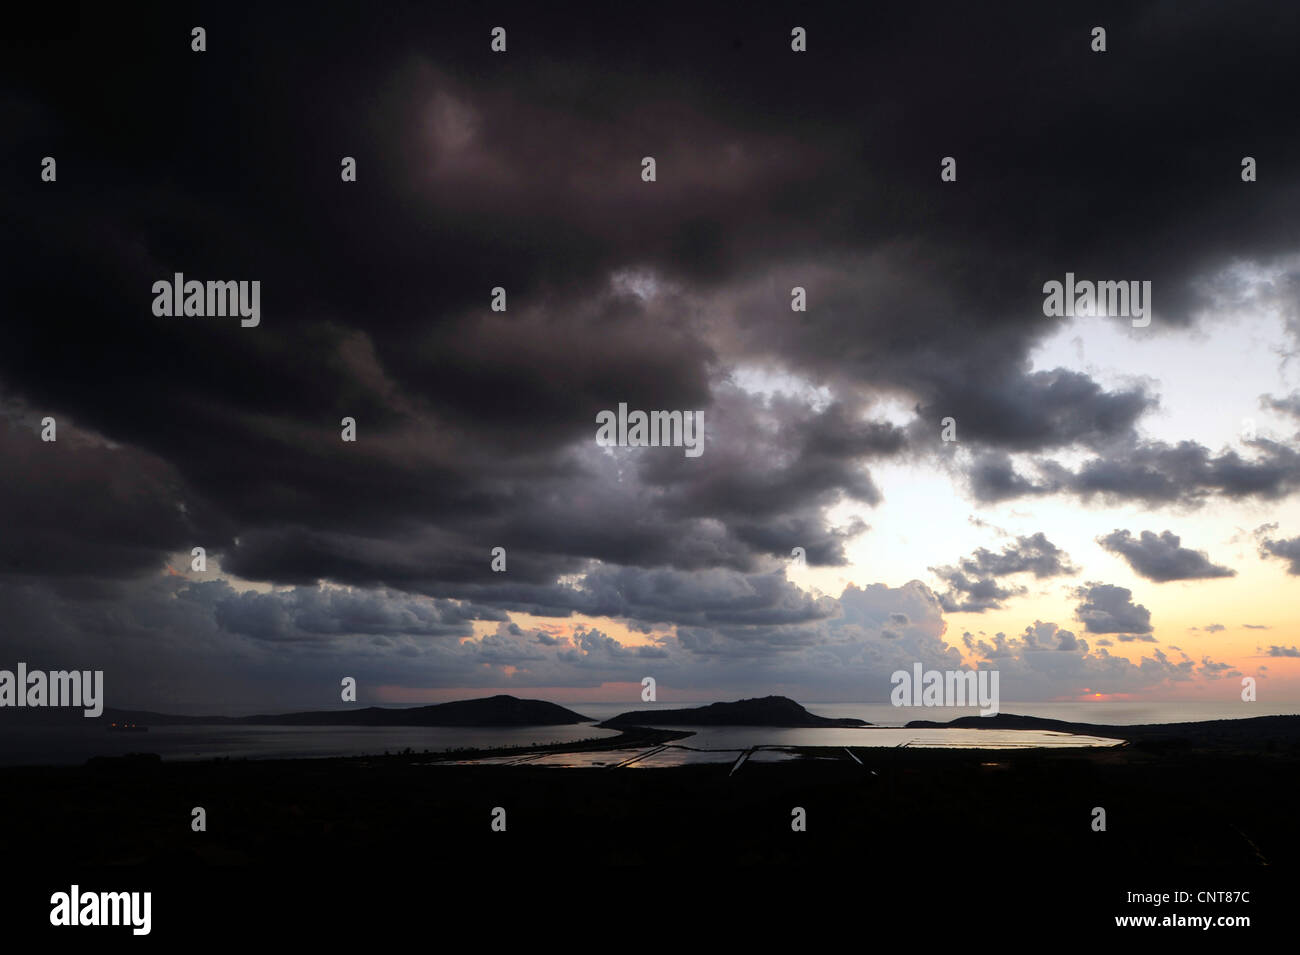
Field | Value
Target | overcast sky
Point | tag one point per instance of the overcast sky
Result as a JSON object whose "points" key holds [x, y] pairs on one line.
{"points": [[1118, 517]]}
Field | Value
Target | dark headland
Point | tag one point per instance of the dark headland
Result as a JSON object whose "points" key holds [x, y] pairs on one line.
{"points": [[501, 710], [1253, 733], [775, 711]]}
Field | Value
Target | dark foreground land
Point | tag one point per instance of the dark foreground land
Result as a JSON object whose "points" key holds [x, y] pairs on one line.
{"points": [[951, 844], [1178, 799]]}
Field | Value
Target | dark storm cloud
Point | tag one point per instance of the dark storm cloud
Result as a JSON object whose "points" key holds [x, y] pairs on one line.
{"points": [[592, 647], [993, 478], [1029, 554], [1152, 472], [972, 586], [1156, 472], [1048, 636], [716, 597], [1214, 671], [1288, 550], [1106, 608], [1161, 558], [400, 323], [312, 613], [758, 490], [712, 597], [1042, 410], [771, 469], [78, 506], [522, 171], [1287, 405], [965, 595], [530, 176]]}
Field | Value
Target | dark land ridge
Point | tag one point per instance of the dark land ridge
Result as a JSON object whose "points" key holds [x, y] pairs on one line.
{"points": [[501, 710], [1251, 733], [775, 711]]}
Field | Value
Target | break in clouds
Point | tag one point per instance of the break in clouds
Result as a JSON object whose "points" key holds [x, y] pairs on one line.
{"points": [[475, 426]]}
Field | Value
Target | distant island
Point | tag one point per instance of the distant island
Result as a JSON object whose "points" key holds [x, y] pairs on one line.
{"points": [[778, 711], [1249, 732], [499, 711]]}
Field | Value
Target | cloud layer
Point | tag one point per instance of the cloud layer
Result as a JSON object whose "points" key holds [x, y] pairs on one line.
{"points": [[476, 427]]}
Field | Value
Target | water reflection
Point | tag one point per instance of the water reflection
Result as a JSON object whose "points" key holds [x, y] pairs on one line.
{"points": [[729, 744]]}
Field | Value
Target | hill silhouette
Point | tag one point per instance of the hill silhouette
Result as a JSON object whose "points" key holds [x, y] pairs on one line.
{"points": [[778, 711], [500, 710], [1247, 733]]}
